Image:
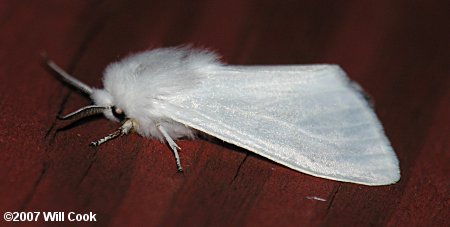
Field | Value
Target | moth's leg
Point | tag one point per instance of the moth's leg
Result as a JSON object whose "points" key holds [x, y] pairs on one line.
{"points": [[172, 145], [126, 127], [107, 138]]}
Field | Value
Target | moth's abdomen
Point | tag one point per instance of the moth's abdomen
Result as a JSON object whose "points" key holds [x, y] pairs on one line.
{"points": [[174, 129]]}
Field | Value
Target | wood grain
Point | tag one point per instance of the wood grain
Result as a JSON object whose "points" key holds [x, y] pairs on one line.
{"points": [[398, 51]]}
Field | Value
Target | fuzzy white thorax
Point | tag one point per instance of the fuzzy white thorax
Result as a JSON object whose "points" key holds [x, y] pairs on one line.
{"points": [[137, 84]]}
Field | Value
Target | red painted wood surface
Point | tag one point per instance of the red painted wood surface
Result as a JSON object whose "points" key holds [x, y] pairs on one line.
{"points": [[398, 50]]}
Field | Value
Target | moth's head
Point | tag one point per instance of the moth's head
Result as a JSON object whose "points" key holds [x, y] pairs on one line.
{"points": [[103, 104], [103, 98]]}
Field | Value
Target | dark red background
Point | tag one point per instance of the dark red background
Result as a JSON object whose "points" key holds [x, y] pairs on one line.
{"points": [[398, 51]]}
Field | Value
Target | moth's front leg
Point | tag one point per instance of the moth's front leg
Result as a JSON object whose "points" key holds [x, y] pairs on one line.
{"points": [[126, 127]]}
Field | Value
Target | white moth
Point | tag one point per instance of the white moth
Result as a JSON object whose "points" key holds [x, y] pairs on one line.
{"points": [[310, 118]]}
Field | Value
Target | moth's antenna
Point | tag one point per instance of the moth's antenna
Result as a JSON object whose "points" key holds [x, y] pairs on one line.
{"points": [[84, 112], [66, 77]]}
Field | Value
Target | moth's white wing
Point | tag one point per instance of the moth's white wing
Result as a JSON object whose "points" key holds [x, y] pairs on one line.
{"points": [[308, 118]]}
